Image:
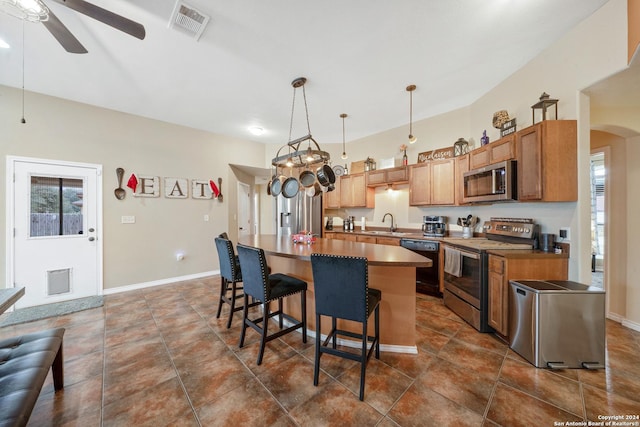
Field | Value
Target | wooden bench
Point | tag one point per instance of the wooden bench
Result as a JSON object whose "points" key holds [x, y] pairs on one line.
{"points": [[24, 364]]}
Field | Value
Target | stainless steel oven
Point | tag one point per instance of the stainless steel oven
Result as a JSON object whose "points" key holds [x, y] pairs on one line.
{"points": [[466, 267]]}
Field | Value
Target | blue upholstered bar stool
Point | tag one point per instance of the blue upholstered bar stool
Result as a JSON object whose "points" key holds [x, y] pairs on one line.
{"points": [[264, 288], [342, 291], [230, 275]]}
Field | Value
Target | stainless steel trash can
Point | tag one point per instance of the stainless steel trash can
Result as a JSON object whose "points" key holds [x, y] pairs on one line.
{"points": [[557, 324]]}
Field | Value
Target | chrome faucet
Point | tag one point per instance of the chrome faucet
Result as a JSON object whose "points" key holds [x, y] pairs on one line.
{"points": [[392, 228]]}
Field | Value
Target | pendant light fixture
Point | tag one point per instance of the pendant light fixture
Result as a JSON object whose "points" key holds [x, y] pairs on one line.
{"points": [[410, 89], [344, 151], [298, 156]]}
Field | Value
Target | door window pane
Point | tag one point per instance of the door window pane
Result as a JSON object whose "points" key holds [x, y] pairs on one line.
{"points": [[56, 206]]}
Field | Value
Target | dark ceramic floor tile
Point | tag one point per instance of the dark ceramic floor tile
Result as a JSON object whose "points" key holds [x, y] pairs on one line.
{"points": [[486, 341], [276, 353], [599, 402], [155, 406], [206, 379], [472, 358], [411, 365], [615, 381], [421, 406], [462, 386], [125, 354], [201, 345], [132, 333], [291, 383], [79, 346], [334, 405], [247, 405], [443, 325], [70, 405], [128, 318], [92, 318], [429, 340], [511, 407], [129, 379], [543, 384], [383, 384], [78, 370]]}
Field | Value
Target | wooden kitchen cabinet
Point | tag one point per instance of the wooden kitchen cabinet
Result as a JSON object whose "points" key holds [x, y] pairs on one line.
{"points": [[432, 183], [518, 265], [420, 184], [365, 239], [390, 241], [331, 199], [354, 192], [548, 162], [383, 177], [461, 166], [494, 152]]}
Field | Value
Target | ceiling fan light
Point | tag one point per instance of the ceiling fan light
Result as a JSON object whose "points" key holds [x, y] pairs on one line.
{"points": [[27, 10]]}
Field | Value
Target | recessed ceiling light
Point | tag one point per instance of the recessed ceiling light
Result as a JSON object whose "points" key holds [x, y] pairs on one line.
{"points": [[256, 130], [4, 44]]}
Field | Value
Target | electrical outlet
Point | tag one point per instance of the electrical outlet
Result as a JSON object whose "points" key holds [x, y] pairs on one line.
{"points": [[128, 219], [564, 233]]}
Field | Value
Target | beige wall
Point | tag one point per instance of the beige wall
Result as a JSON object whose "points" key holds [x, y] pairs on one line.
{"points": [[145, 251]]}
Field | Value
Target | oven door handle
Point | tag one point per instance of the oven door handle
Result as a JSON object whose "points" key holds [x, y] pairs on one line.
{"points": [[467, 254]]}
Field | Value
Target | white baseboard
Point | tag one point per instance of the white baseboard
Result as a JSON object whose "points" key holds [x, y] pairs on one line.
{"points": [[144, 285], [631, 325], [624, 322]]}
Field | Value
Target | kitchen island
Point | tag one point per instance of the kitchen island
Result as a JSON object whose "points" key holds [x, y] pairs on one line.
{"points": [[392, 270]]}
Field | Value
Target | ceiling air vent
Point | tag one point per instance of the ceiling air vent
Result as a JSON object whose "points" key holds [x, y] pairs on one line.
{"points": [[188, 20]]}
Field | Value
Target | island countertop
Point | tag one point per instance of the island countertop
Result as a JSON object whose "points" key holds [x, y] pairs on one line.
{"points": [[377, 255], [392, 270]]}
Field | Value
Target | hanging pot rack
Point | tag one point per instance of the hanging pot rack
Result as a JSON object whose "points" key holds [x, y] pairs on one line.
{"points": [[296, 155]]}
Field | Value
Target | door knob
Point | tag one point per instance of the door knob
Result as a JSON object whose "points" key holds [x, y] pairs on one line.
{"points": [[91, 230], [91, 239]]}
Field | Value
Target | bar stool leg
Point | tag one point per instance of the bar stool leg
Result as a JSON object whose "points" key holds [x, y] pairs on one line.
{"points": [[223, 291], [303, 305], [377, 329], [316, 365], [245, 315], [263, 337]]}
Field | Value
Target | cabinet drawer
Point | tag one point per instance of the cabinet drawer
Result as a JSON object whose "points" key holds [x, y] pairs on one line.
{"points": [[496, 264], [366, 239], [388, 241]]}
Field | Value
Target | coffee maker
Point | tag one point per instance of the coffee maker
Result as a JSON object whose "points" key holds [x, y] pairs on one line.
{"points": [[434, 226]]}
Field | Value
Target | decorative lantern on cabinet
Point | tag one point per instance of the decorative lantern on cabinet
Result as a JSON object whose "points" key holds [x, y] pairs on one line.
{"points": [[544, 104], [460, 147]]}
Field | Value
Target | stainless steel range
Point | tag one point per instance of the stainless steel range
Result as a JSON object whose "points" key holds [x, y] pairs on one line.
{"points": [[466, 265]]}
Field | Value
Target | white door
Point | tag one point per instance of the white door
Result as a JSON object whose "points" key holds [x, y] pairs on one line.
{"points": [[54, 211], [244, 209]]}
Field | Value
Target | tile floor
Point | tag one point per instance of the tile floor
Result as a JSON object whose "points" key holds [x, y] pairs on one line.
{"points": [[159, 357]]}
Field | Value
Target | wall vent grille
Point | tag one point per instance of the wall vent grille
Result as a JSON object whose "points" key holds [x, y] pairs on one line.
{"points": [[188, 20]]}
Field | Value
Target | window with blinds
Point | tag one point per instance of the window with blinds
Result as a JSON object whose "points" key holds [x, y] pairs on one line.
{"points": [[56, 206]]}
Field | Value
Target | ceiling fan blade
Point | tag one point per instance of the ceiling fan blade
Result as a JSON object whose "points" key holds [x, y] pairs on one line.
{"points": [[112, 19], [63, 35]]}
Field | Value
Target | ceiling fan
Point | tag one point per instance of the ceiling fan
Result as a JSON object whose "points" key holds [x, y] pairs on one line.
{"points": [[37, 11]]}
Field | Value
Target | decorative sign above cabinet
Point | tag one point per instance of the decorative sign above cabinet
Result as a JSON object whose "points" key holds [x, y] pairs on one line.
{"points": [[439, 154]]}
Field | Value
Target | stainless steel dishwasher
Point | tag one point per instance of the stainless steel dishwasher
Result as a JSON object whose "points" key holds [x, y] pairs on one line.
{"points": [[557, 324]]}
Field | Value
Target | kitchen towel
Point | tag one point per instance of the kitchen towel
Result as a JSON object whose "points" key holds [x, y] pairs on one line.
{"points": [[452, 262]]}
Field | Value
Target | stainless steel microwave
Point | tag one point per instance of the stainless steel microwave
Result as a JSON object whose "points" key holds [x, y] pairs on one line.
{"points": [[493, 183]]}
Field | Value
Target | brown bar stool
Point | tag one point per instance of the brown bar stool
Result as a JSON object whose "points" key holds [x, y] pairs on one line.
{"points": [[341, 287], [264, 288], [230, 275]]}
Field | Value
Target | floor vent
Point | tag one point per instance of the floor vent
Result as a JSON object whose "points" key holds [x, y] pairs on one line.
{"points": [[188, 20]]}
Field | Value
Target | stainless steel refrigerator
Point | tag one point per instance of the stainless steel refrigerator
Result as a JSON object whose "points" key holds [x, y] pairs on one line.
{"points": [[298, 213]]}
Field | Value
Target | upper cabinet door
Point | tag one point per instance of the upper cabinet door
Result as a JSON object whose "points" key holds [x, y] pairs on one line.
{"points": [[420, 184]]}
